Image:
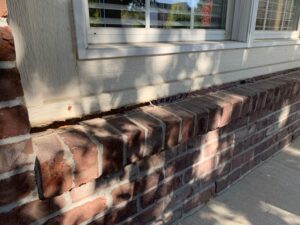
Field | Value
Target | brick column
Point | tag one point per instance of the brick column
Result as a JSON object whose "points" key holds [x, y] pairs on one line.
{"points": [[17, 183]]}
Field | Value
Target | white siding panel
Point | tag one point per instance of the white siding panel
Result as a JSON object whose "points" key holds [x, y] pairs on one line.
{"points": [[107, 101], [57, 86], [106, 75]]}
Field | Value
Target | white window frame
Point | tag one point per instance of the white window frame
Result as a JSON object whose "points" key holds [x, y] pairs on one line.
{"points": [[96, 43], [269, 34], [110, 35]]}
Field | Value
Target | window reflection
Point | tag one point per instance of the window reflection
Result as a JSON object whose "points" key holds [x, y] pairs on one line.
{"points": [[209, 14]]}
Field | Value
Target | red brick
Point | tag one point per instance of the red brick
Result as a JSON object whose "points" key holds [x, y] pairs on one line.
{"points": [[213, 148], [161, 191], [85, 155], [242, 159], [261, 94], [235, 175], [226, 107], [112, 142], [83, 191], [172, 124], [149, 215], [204, 167], [214, 111], [235, 101], [123, 193], [150, 181], [54, 169], [33, 211], [201, 124], [7, 48], [199, 199], [188, 121], [16, 156], [240, 100], [155, 133], [154, 161], [117, 215], [251, 97], [16, 187], [222, 184], [10, 84], [180, 164], [80, 213], [135, 137], [14, 121], [172, 216], [3, 8], [179, 196]]}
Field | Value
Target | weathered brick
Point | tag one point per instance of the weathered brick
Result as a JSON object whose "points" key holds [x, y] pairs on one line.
{"points": [[117, 215], [54, 167], [33, 211], [172, 124], [211, 149], [10, 84], [239, 100], [250, 95], [112, 143], [172, 216], [7, 48], [161, 191], [16, 187], [149, 215], [222, 184], [136, 137], [152, 162], [215, 112], [242, 159], [124, 193], [179, 196], [235, 101], [3, 8], [179, 164], [85, 155], [262, 94], [226, 107], [14, 121], [16, 156], [199, 199], [150, 181], [200, 169], [83, 191], [155, 133], [188, 121], [80, 213], [201, 124]]}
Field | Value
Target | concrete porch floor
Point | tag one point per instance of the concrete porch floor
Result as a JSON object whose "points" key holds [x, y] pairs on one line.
{"points": [[269, 195]]}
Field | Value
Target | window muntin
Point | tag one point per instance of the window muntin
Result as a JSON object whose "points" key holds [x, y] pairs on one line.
{"points": [[162, 14], [278, 15]]}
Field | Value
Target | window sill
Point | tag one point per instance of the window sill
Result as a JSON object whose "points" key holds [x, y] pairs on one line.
{"points": [[148, 49]]}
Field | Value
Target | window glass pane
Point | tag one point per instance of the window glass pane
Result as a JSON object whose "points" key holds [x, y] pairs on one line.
{"points": [[278, 15], [117, 13], [208, 14], [188, 13]]}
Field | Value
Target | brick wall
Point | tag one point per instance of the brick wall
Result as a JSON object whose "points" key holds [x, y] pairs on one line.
{"points": [[17, 182], [152, 165]]}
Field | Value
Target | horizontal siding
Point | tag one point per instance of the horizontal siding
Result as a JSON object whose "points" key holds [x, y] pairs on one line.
{"points": [[80, 106], [57, 86]]}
